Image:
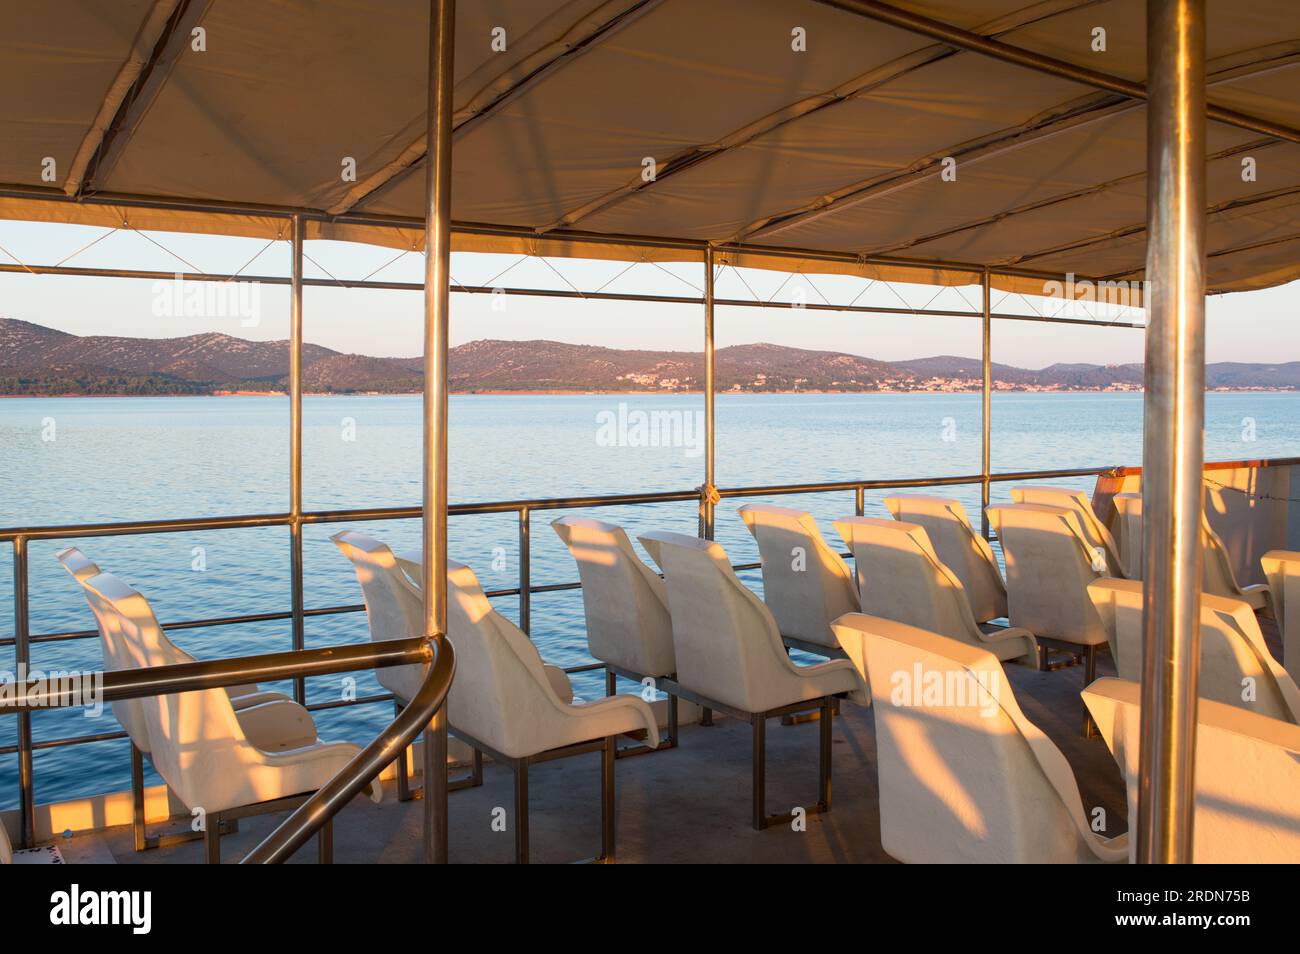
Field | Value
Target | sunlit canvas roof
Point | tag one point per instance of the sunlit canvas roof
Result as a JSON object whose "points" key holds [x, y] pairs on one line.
{"points": [[837, 148]]}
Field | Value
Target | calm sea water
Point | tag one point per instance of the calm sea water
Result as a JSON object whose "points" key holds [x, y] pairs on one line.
{"points": [[72, 460]]}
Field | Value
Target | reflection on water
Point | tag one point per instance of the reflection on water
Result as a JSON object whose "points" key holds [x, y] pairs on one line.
{"points": [[114, 459]]}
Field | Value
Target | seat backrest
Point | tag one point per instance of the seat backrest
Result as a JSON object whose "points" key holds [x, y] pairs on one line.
{"points": [[195, 737], [127, 711], [1282, 569], [959, 547], [500, 695], [394, 604], [1247, 773], [1237, 668], [806, 584], [1128, 532], [6, 850], [1049, 567], [727, 642], [1216, 565], [625, 602], [1217, 576], [964, 776], [1094, 531], [900, 577]]}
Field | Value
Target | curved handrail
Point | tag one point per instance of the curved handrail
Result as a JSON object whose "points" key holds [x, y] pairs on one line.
{"points": [[365, 766]]}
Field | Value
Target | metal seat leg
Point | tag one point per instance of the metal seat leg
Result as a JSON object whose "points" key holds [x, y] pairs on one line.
{"points": [[325, 843], [1089, 676], [824, 756], [760, 771], [520, 767], [212, 837], [608, 800], [137, 799], [403, 777]]}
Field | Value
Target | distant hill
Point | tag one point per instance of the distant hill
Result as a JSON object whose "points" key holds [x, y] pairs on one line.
{"points": [[39, 360]]}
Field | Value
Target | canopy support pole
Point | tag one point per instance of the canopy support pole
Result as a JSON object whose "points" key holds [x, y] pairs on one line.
{"points": [[986, 402], [295, 448], [1173, 442], [706, 491], [437, 323]]}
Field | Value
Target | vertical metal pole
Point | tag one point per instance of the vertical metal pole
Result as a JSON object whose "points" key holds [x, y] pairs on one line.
{"points": [[525, 570], [1172, 453], [437, 323], [706, 501], [986, 404], [295, 448], [22, 661], [860, 500]]}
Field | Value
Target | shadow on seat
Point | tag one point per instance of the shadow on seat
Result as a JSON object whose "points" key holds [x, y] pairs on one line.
{"points": [[205, 752], [1095, 532], [273, 729], [1247, 773], [959, 548], [626, 608], [1050, 563], [901, 578], [1236, 667], [964, 775], [806, 584], [730, 656], [506, 702], [394, 602]]}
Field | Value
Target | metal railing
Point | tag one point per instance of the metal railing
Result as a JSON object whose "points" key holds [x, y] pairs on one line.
{"points": [[23, 640], [320, 662]]}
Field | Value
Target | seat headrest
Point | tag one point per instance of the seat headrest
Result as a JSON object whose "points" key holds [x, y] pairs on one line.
{"points": [[961, 655], [876, 530], [358, 541], [78, 564], [562, 526], [755, 514], [925, 503], [656, 542]]}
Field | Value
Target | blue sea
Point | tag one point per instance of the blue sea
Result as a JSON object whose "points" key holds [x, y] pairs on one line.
{"points": [[77, 460]]}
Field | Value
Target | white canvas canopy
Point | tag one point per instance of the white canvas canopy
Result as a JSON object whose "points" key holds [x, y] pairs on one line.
{"points": [[787, 124]]}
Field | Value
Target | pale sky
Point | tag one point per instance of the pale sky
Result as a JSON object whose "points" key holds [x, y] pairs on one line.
{"points": [[1254, 326]]}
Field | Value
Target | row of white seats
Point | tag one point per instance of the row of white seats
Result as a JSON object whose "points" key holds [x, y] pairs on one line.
{"points": [[925, 817], [699, 633]]}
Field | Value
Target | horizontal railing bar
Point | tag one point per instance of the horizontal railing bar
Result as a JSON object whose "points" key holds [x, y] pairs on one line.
{"points": [[348, 703], [1004, 476], [777, 490], [138, 527], [215, 674], [585, 667], [131, 528], [69, 531], [567, 293]]}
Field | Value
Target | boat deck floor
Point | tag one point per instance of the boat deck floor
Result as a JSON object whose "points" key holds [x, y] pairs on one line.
{"points": [[689, 804]]}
